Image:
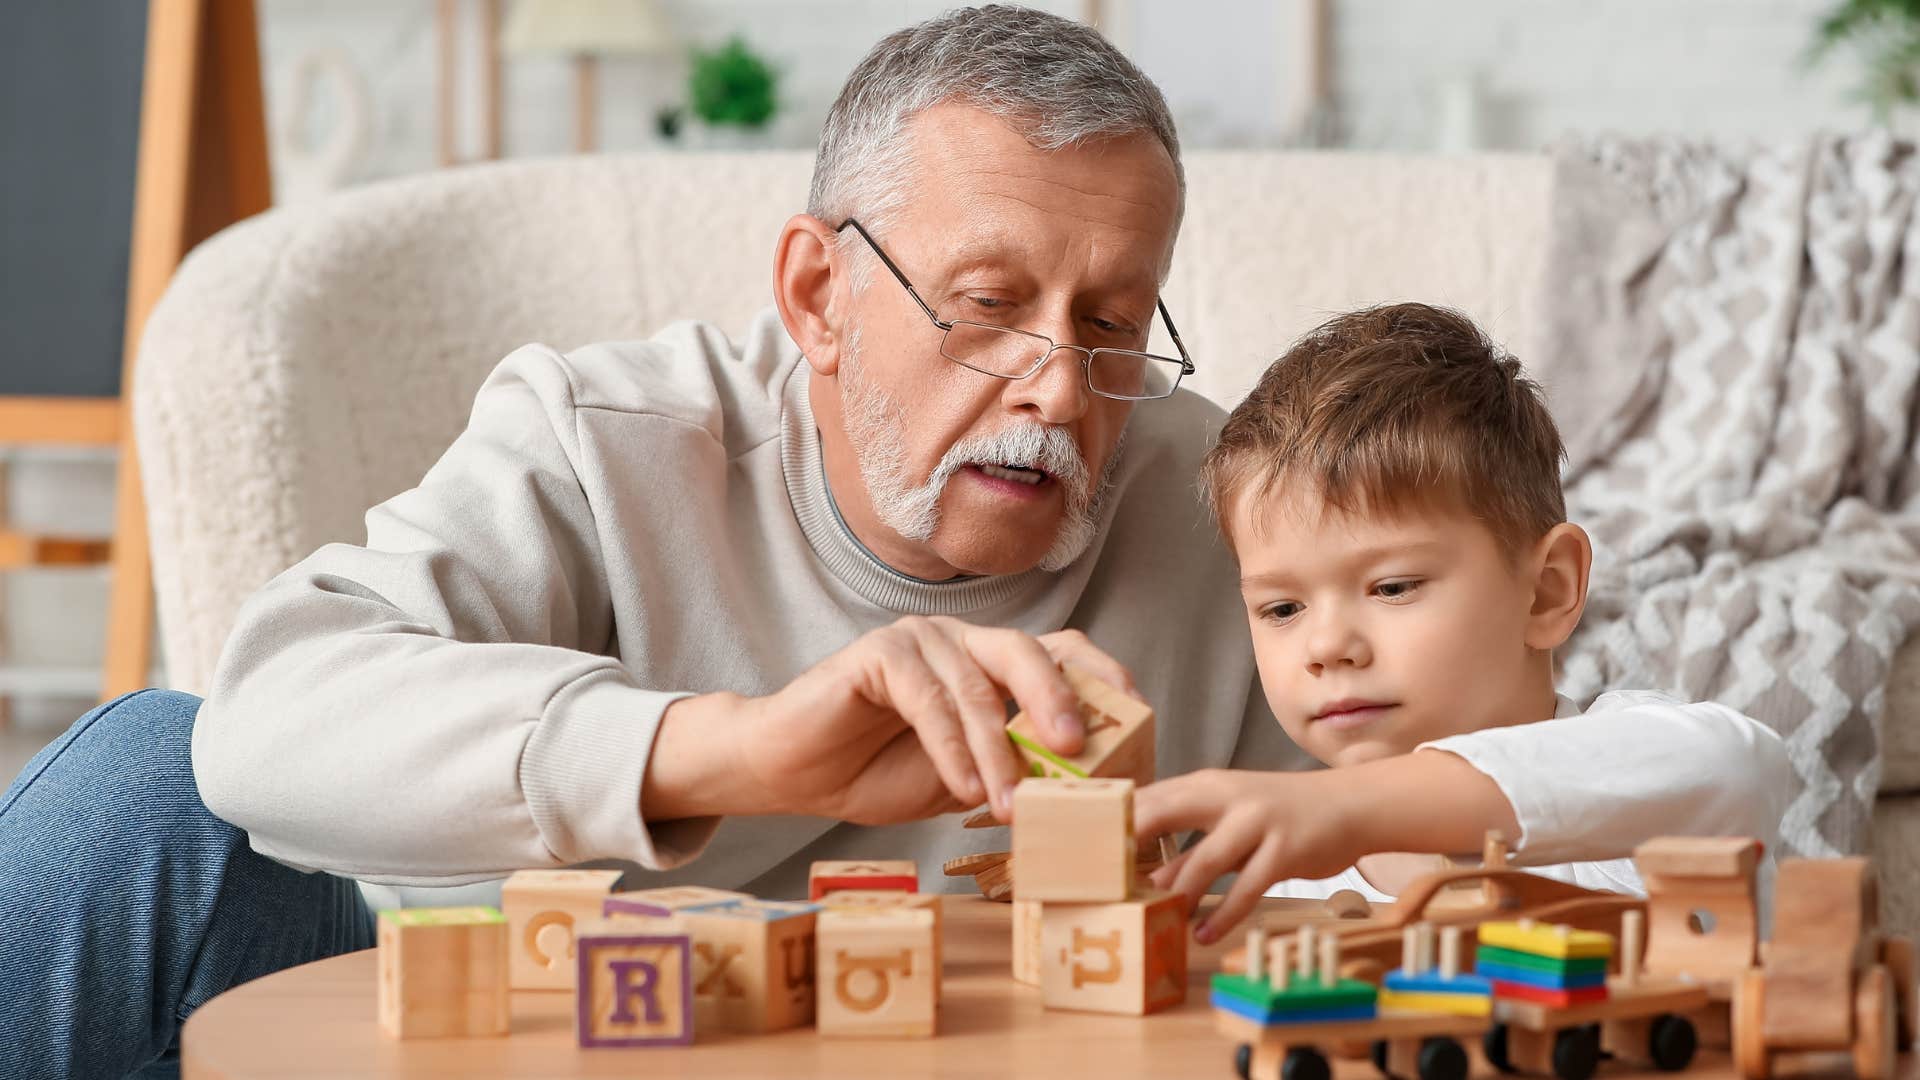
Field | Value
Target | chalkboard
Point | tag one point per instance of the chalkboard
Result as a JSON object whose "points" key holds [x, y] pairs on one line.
{"points": [[69, 132]]}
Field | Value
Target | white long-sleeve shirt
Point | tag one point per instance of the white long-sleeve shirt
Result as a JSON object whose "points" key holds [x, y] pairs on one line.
{"points": [[476, 688], [1587, 773]]}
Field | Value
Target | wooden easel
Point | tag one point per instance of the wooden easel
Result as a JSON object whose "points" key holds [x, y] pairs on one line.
{"points": [[202, 166]]}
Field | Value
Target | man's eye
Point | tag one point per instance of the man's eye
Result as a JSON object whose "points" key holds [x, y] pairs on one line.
{"points": [[988, 303], [1396, 590]]}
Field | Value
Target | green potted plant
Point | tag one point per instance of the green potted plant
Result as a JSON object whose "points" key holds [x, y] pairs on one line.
{"points": [[732, 88], [1885, 34]]}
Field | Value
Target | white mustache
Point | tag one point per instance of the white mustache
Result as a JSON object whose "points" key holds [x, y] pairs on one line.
{"points": [[1029, 446]]}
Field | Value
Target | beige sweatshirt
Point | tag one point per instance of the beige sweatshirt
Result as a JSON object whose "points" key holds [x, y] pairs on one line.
{"points": [[476, 689]]}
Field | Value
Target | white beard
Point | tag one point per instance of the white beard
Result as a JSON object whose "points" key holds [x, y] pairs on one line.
{"points": [[876, 425]]}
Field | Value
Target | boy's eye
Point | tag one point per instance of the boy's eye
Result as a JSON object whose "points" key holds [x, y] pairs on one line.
{"points": [[1396, 590], [1280, 612]]}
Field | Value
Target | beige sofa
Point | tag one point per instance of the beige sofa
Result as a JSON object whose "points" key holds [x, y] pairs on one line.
{"points": [[314, 361]]}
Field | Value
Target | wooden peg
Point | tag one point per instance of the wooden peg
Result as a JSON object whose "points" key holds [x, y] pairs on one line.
{"points": [[1450, 952]]}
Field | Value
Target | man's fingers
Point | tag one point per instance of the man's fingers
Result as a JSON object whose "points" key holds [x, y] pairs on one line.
{"points": [[982, 714], [1020, 663], [1259, 872], [913, 690], [1074, 647]]}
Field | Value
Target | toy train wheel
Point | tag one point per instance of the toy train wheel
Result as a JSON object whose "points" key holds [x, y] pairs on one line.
{"points": [[1243, 1061], [1671, 1042], [1378, 1052], [1576, 1052], [1897, 953], [1441, 1058], [1875, 1030], [1494, 1045], [1305, 1063]]}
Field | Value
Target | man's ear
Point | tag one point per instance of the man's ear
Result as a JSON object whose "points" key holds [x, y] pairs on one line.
{"points": [[1561, 562], [804, 262]]}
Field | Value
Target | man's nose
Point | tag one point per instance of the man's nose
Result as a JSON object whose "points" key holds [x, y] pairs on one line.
{"points": [[1057, 393], [1335, 641]]}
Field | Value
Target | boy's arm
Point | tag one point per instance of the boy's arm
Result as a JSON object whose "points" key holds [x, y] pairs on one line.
{"points": [[1637, 765]]}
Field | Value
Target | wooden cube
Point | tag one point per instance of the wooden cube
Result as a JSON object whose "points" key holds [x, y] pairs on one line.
{"points": [[876, 972], [666, 900], [1073, 840], [830, 875], [542, 908], [635, 989], [752, 964], [1127, 957], [443, 971], [1026, 941], [886, 898], [1120, 735]]}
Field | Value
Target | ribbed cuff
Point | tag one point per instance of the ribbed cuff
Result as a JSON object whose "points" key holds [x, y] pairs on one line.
{"points": [[582, 771]]}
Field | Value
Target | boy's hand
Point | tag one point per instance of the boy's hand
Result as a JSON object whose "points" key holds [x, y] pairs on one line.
{"points": [[1271, 826], [1267, 826]]}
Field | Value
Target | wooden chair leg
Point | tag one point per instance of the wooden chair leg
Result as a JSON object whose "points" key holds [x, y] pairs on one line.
{"points": [[202, 166]]}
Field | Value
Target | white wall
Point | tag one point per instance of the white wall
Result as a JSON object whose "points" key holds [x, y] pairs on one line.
{"points": [[1723, 68]]}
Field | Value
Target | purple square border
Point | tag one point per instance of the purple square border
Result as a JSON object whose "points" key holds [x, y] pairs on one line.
{"points": [[584, 947]]}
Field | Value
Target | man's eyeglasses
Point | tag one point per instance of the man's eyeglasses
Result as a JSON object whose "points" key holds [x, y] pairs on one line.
{"points": [[1006, 353]]}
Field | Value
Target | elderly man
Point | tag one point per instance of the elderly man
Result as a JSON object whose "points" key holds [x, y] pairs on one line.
{"points": [[721, 609]]}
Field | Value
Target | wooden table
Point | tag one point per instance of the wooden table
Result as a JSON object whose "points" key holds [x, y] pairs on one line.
{"points": [[317, 1020]]}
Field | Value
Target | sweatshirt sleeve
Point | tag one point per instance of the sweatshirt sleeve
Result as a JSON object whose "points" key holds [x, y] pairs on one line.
{"points": [[438, 706], [1637, 765]]}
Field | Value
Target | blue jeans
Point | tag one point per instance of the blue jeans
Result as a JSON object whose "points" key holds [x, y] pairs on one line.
{"points": [[125, 904]]}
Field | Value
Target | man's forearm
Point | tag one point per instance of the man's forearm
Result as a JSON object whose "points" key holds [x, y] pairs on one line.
{"points": [[695, 767], [1440, 804]]}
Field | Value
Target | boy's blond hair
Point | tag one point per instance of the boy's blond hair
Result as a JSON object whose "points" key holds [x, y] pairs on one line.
{"points": [[1397, 408]]}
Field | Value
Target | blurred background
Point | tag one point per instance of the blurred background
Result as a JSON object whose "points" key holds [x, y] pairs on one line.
{"points": [[358, 91]]}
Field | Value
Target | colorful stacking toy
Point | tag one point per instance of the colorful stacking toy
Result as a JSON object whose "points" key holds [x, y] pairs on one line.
{"points": [[1550, 965], [1314, 994], [1419, 985]]}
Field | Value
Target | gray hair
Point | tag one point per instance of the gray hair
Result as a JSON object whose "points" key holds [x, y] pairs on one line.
{"points": [[1056, 81]]}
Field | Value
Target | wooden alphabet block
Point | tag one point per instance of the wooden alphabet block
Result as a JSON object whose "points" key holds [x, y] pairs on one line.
{"points": [[636, 989], [1026, 942], [443, 971], [1128, 957], [1120, 735], [886, 898], [1073, 840], [828, 875], [666, 900], [542, 908], [876, 972], [752, 964]]}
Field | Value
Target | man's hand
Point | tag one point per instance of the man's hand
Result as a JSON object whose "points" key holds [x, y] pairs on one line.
{"points": [[907, 722], [1267, 826]]}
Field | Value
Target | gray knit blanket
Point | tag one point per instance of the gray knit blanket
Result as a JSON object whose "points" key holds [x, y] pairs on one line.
{"points": [[1732, 348]]}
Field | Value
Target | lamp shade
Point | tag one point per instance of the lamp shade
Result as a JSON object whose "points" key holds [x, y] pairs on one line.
{"points": [[589, 27]]}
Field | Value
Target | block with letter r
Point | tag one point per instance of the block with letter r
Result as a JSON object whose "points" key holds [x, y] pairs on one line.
{"points": [[635, 989]]}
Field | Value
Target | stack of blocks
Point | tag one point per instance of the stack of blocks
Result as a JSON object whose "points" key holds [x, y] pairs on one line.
{"points": [[878, 967], [1549, 965], [1102, 945], [1418, 985], [1273, 991]]}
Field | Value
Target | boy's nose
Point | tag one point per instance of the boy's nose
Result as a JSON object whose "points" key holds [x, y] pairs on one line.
{"points": [[1335, 643]]}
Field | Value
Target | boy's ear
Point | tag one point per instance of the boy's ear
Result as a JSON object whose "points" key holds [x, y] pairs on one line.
{"points": [[1561, 560], [804, 262]]}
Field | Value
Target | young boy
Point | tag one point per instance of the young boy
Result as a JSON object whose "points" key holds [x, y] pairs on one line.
{"points": [[1391, 489]]}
